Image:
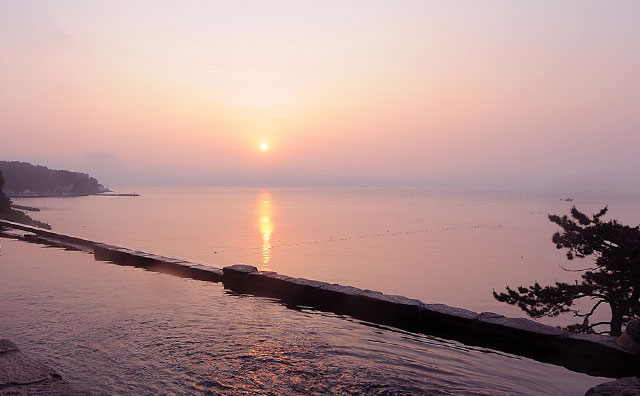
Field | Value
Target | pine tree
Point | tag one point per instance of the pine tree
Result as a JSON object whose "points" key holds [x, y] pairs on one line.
{"points": [[614, 280]]}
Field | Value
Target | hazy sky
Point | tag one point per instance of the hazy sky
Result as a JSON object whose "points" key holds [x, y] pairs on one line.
{"points": [[495, 93]]}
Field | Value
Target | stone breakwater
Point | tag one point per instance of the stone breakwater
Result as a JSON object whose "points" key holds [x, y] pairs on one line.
{"points": [[593, 354]]}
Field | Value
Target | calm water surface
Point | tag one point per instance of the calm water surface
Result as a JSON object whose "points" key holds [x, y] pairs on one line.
{"points": [[437, 246], [117, 330]]}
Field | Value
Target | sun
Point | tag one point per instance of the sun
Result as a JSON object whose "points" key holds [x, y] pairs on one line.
{"points": [[264, 146]]}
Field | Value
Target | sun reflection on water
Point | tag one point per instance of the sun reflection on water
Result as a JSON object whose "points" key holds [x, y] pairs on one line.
{"points": [[265, 224]]}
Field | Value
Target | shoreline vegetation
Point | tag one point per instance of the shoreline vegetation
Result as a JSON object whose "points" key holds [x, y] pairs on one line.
{"points": [[7, 212], [21, 217]]}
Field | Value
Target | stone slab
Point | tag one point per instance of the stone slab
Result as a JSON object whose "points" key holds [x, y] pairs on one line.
{"points": [[61, 238], [19, 369], [7, 346], [593, 354], [629, 386], [22, 375], [157, 263]]}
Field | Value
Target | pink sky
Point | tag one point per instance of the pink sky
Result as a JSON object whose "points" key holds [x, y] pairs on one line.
{"points": [[483, 93]]}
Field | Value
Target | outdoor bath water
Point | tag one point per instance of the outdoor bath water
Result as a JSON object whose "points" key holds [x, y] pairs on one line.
{"points": [[110, 329]]}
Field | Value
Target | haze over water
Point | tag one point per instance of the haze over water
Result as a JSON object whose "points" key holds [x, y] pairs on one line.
{"points": [[539, 94]]}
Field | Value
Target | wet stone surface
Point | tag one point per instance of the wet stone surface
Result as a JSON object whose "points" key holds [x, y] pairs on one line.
{"points": [[630, 339], [629, 386], [633, 329], [23, 375]]}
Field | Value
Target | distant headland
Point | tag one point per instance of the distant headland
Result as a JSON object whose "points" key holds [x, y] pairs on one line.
{"points": [[23, 180]]}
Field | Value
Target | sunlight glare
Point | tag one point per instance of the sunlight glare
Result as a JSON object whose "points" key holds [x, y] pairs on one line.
{"points": [[266, 226]]}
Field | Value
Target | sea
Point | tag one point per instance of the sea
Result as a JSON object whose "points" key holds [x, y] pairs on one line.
{"points": [[121, 330]]}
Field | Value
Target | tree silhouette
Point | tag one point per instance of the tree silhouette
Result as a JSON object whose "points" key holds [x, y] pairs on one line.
{"points": [[5, 203], [614, 279], [7, 213]]}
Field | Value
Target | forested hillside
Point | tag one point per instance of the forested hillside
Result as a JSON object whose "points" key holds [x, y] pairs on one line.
{"points": [[23, 179]]}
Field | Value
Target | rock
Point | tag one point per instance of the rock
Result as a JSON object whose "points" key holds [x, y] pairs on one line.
{"points": [[23, 375], [514, 325], [633, 329], [19, 369], [7, 346], [630, 339], [242, 268], [629, 386]]}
